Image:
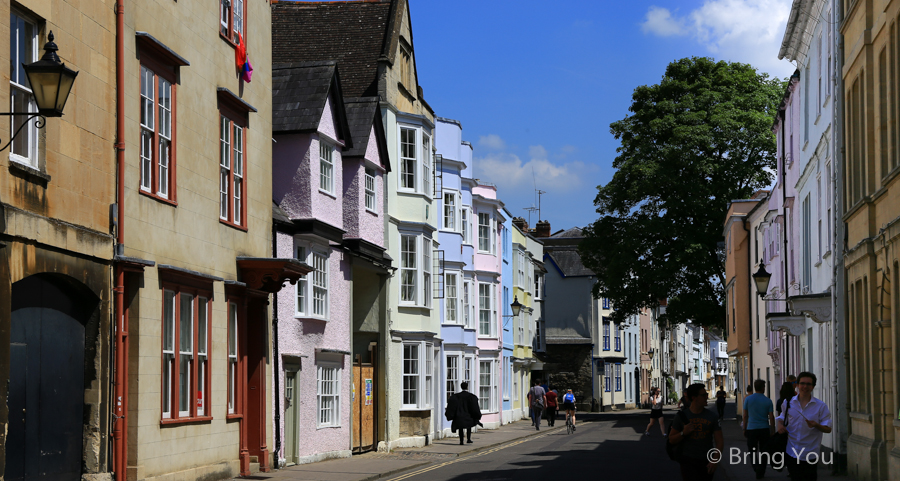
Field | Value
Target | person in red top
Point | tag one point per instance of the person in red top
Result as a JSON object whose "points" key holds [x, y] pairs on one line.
{"points": [[552, 406]]}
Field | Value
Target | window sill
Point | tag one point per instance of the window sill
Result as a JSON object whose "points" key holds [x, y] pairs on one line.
{"points": [[28, 172], [164, 200], [327, 427], [232, 417], [329, 194], [415, 193], [233, 225], [310, 318], [414, 306], [370, 211], [415, 409], [198, 419], [226, 38]]}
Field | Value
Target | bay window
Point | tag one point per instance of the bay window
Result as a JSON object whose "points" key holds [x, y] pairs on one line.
{"points": [[452, 375], [484, 232], [450, 207], [326, 167], [418, 375], [487, 387], [370, 190], [415, 270], [313, 289], [487, 311], [415, 160], [451, 302]]}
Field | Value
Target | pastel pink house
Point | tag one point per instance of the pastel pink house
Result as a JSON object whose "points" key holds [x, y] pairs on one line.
{"points": [[328, 166]]}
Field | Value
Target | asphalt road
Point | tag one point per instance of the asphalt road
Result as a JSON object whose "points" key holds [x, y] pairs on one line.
{"points": [[607, 446]]}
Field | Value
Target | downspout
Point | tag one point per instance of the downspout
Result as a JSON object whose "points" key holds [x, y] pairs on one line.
{"points": [[276, 377], [785, 339], [750, 297], [120, 401]]}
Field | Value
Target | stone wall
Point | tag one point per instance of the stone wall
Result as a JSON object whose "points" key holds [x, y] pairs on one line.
{"points": [[569, 367]]}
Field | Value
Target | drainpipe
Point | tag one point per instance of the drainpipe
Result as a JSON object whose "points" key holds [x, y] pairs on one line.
{"points": [[750, 297], [276, 377], [120, 401]]}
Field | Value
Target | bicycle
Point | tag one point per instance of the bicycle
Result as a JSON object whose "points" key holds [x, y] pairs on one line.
{"points": [[570, 428]]}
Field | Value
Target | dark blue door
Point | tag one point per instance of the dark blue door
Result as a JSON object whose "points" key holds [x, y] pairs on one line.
{"points": [[46, 389]]}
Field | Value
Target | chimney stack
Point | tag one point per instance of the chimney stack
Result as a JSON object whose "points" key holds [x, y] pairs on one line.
{"points": [[520, 223], [542, 229]]}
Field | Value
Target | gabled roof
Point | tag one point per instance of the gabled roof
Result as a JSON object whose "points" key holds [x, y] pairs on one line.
{"points": [[574, 232], [568, 261], [352, 33], [299, 93], [363, 114]]}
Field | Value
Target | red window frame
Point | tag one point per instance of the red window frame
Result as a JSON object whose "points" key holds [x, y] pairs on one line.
{"points": [[235, 375], [236, 197], [171, 365], [167, 72], [227, 31]]}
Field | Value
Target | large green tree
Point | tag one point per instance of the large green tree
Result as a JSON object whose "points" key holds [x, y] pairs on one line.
{"points": [[691, 144]]}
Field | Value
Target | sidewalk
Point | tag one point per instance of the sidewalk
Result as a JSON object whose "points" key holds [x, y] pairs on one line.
{"points": [[734, 437], [374, 465]]}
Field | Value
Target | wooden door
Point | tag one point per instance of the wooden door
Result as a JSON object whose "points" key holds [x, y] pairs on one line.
{"points": [[363, 407], [290, 417]]}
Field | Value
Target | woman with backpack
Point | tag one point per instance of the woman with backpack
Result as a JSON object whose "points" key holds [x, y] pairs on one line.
{"points": [[656, 412], [569, 406]]}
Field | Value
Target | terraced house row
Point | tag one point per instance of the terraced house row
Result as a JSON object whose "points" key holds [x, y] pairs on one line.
{"points": [[248, 231]]}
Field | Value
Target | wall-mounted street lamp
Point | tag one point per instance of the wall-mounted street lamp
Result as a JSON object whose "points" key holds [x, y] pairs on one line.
{"points": [[762, 278], [51, 82], [650, 353], [516, 307]]}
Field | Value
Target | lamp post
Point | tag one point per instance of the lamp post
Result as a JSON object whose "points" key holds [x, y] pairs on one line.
{"points": [[51, 82]]}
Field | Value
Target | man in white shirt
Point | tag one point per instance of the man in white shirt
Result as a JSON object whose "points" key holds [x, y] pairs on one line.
{"points": [[807, 419]]}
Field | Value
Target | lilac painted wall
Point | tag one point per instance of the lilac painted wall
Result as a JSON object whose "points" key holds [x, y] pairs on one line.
{"points": [[326, 123], [360, 222], [291, 174], [304, 337]]}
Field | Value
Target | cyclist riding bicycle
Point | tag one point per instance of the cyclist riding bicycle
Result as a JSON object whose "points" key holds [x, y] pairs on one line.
{"points": [[569, 405]]}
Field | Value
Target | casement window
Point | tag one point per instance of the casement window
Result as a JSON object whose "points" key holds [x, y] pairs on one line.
{"points": [[312, 290], [326, 167], [605, 335], [157, 134], [415, 270], [185, 354], [487, 311], [451, 303], [231, 19], [487, 387], [23, 50], [450, 208], [328, 395], [618, 338], [418, 375], [233, 367], [232, 160], [370, 190], [408, 158], [607, 377], [452, 375], [415, 160]]}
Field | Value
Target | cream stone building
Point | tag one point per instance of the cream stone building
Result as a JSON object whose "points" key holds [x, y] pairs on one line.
{"points": [[871, 194], [56, 247]]}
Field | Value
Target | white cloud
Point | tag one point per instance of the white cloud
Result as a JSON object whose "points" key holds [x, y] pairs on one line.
{"points": [[659, 21], [748, 31], [510, 172], [492, 142]]}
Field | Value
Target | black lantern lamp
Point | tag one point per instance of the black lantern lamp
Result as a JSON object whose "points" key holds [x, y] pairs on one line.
{"points": [[650, 353], [50, 80], [762, 278], [516, 306]]}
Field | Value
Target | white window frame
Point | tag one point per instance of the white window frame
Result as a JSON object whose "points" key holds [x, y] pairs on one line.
{"points": [[426, 165], [515, 387], [468, 314], [232, 393], [465, 214], [408, 180], [507, 378], [313, 290], [487, 404], [451, 297], [487, 237], [538, 283], [416, 263], [452, 384], [328, 388], [419, 378], [326, 167], [31, 157], [370, 184], [451, 211], [489, 311]]}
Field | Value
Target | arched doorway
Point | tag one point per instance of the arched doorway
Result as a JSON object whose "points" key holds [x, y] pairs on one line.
{"points": [[46, 387]]}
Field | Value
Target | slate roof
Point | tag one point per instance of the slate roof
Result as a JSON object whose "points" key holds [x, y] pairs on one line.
{"points": [[351, 33], [361, 115], [574, 232], [569, 262]]}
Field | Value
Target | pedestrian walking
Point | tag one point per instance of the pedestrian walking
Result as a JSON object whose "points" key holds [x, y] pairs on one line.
{"points": [[698, 436], [462, 409], [720, 403], [807, 419], [552, 406], [759, 420], [786, 392], [537, 399], [656, 412]]}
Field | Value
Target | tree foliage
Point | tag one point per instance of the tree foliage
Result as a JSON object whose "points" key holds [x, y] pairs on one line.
{"points": [[691, 144]]}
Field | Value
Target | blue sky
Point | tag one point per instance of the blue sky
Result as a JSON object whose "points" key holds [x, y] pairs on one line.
{"points": [[536, 84]]}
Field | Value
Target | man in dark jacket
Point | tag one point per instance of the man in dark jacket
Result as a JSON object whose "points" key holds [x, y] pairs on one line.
{"points": [[463, 410]]}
